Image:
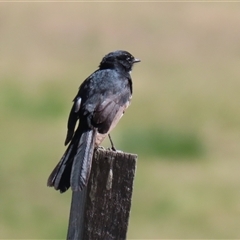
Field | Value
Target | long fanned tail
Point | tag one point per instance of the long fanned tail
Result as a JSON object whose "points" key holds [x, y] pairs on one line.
{"points": [[60, 176], [75, 165], [82, 162]]}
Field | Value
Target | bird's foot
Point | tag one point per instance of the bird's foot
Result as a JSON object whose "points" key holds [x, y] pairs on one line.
{"points": [[114, 150], [100, 147]]}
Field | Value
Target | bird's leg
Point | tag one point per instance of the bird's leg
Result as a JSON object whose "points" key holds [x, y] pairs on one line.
{"points": [[110, 139]]}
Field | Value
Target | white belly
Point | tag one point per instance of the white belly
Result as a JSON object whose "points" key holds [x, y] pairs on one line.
{"points": [[100, 137]]}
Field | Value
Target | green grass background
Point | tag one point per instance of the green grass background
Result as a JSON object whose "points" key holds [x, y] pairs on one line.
{"points": [[184, 120]]}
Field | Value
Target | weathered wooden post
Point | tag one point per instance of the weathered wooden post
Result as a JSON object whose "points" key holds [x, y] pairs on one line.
{"points": [[101, 210]]}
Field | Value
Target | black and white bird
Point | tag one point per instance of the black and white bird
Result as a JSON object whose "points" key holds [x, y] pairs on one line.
{"points": [[98, 106]]}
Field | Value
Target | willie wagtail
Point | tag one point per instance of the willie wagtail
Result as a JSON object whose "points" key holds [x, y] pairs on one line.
{"points": [[100, 103]]}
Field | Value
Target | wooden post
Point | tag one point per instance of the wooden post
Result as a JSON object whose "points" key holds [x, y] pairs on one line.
{"points": [[101, 211]]}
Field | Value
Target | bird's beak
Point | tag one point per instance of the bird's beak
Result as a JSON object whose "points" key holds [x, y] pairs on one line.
{"points": [[136, 60]]}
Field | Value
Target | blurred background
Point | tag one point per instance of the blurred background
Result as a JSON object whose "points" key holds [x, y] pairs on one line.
{"points": [[183, 123]]}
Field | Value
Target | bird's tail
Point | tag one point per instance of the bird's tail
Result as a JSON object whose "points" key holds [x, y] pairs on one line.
{"points": [[75, 165]]}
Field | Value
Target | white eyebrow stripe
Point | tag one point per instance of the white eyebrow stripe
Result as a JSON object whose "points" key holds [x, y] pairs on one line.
{"points": [[77, 104]]}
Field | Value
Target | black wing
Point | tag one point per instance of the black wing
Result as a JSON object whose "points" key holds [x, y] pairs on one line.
{"points": [[101, 97]]}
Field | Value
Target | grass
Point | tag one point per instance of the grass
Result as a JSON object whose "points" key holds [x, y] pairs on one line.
{"points": [[150, 142], [183, 121], [48, 103]]}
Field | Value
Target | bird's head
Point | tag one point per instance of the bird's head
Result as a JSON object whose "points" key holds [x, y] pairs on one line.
{"points": [[120, 58]]}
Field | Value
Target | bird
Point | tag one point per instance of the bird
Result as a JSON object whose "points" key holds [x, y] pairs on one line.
{"points": [[101, 101]]}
